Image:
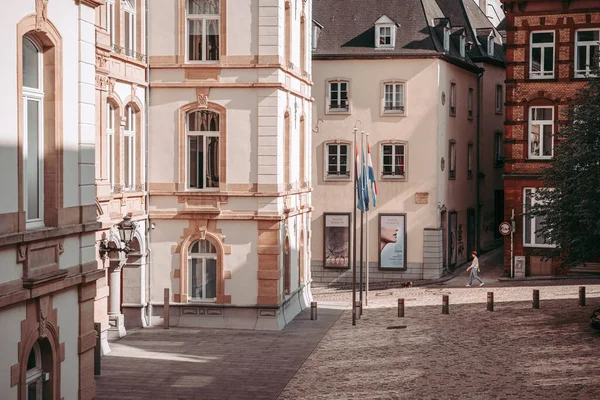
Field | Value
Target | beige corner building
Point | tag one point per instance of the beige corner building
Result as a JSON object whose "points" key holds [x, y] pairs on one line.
{"points": [[48, 267], [229, 165]]}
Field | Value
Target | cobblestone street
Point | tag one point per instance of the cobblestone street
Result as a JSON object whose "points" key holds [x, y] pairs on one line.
{"points": [[515, 352]]}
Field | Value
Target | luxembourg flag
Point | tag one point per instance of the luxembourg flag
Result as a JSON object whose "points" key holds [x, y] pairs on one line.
{"points": [[371, 174]]}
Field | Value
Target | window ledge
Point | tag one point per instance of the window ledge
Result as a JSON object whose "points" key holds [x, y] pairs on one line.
{"points": [[338, 179], [393, 114], [394, 178], [544, 246], [499, 112], [548, 158], [542, 78], [339, 111]]}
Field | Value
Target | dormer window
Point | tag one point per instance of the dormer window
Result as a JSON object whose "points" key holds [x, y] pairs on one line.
{"points": [[446, 39], [490, 45], [463, 41], [385, 33]]}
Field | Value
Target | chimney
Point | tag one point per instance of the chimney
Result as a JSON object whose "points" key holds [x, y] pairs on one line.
{"points": [[483, 6]]}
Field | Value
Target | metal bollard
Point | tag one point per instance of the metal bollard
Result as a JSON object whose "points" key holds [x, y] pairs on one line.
{"points": [[582, 296], [536, 298], [490, 301], [445, 306], [97, 349], [166, 309], [401, 308], [357, 309], [313, 310]]}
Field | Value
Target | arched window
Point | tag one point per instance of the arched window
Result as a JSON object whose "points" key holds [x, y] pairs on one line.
{"points": [[35, 374], [202, 269], [286, 150], [287, 268], [202, 130], [129, 149], [110, 144], [130, 31], [288, 33], [203, 30], [33, 138], [110, 20]]}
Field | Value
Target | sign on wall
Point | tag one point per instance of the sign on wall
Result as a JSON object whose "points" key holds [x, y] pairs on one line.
{"points": [[336, 240], [392, 242]]}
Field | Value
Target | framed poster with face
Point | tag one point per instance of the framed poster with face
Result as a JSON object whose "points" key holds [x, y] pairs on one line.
{"points": [[392, 242], [336, 240]]}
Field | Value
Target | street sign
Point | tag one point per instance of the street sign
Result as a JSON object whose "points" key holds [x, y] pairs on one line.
{"points": [[505, 228]]}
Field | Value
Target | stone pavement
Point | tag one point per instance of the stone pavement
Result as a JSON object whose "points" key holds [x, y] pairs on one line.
{"points": [[514, 352]]}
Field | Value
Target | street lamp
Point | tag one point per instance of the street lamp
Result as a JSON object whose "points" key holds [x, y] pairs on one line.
{"points": [[126, 230]]}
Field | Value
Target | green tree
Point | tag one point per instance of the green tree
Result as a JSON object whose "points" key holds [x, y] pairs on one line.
{"points": [[569, 212]]}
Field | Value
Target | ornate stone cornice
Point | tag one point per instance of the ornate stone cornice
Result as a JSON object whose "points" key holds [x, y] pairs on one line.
{"points": [[91, 3]]}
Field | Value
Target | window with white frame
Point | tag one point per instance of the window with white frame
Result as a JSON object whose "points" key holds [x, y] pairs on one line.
{"points": [[469, 160], [452, 159], [452, 98], [490, 45], [33, 138], [130, 32], [110, 144], [385, 33], [446, 39], [498, 149], [463, 45], [203, 30], [587, 54], [385, 36], [541, 131], [393, 98], [541, 62], [470, 103], [129, 149], [393, 160], [499, 99], [337, 160], [35, 374], [110, 20], [338, 96], [202, 269], [533, 224], [203, 129]]}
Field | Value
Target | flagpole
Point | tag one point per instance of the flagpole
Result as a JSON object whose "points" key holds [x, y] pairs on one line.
{"points": [[354, 237], [362, 212], [367, 246]]}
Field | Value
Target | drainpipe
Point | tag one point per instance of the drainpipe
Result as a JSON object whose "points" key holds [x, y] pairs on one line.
{"points": [[477, 179], [146, 169]]}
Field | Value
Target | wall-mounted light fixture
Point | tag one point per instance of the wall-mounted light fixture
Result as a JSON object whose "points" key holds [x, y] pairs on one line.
{"points": [[126, 229]]}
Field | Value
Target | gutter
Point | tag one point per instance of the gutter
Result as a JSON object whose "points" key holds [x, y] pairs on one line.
{"points": [[477, 177], [146, 169]]}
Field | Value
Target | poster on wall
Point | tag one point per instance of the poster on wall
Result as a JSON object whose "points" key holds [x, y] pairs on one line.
{"points": [[392, 242], [336, 240]]}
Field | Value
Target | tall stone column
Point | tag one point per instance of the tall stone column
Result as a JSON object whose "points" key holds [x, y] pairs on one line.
{"points": [[115, 318]]}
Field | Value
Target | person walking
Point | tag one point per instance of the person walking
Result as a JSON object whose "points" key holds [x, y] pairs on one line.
{"points": [[474, 268]]}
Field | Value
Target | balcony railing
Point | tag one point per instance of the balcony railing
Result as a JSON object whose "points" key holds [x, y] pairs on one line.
{"points": [[129, 53]]}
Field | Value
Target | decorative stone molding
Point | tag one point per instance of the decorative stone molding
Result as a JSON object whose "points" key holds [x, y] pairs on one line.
{"points": [[202, 100], [41, 14]]}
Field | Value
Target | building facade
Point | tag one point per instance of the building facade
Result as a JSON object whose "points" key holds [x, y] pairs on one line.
{"points": [[551, 46], [121, 137], [229, 161], [48, 213], [407, 77]]}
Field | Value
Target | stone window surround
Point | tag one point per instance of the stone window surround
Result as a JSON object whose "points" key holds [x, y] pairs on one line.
{"points": [[182, 35], [452, 159], [452, 100], [402, 178], [183, 111], [499, 100], [576, 47], [350, 163], [470, 160], [342, 111], [530, 47], [540, 103], [382, 112], [470, 102]]}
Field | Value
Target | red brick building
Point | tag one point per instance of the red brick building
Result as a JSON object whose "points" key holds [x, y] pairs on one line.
{"points": [[550, 47]]}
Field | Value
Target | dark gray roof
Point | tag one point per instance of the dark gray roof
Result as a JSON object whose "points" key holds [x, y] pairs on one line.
{"points": [[348, 29]]}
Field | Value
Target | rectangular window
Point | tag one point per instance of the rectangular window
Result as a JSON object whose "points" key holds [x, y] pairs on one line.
{"points": [[586, 52], [541, 63], [203, 279], [446, 39], [469, 160], [129, 149], [203, 161], [532, 225], [453, 99], [462, 46], [203, 30], [337, 161], [338, 96], [470, 103], [130, 32], [393, 100], [393, 161], [452, 160], [498, 149], [499, 99], [33, 161], [110, 145], [110, 20], [491, 43], [541, 131], [385, 36]]}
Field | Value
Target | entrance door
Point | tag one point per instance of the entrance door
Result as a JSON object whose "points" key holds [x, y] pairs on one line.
{"points": [[444, 218], [470, 232], [452, 239]]}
